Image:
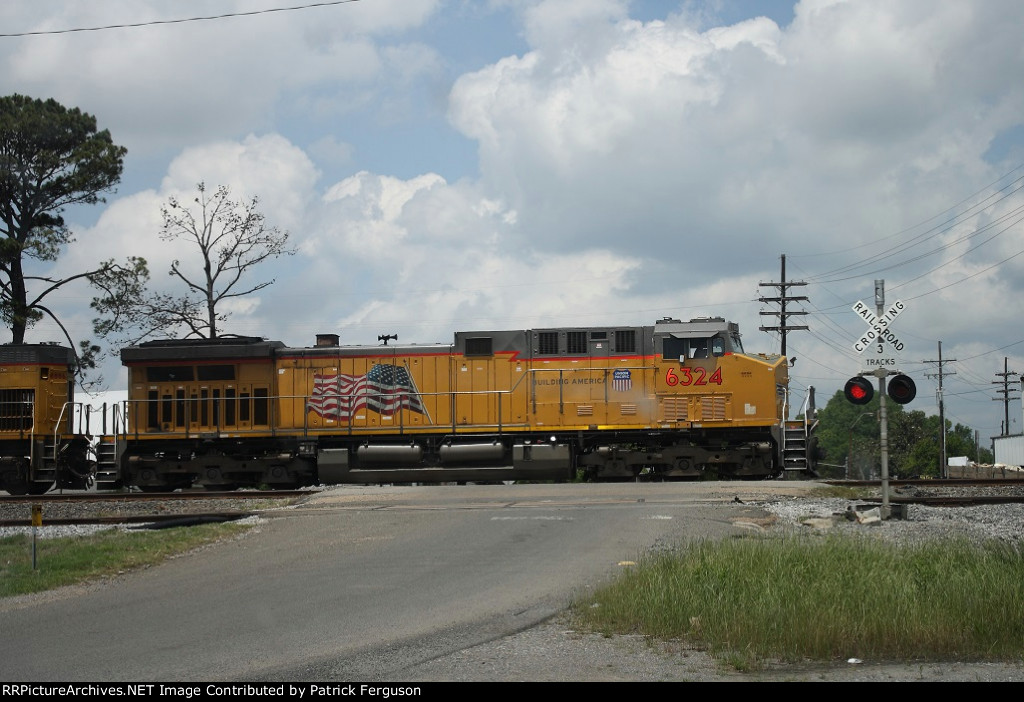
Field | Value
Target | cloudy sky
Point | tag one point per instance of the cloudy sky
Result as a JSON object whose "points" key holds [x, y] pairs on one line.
{"points": [[445, 165]]}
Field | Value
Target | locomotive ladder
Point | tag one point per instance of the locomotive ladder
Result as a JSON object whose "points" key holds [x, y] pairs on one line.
{"points": [[794, 455], [46, 470], [108, 472], [798, 439], [107, 475]]}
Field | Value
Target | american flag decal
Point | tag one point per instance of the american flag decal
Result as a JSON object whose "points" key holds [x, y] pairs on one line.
{"points": [[385, 389], [622, 380]]}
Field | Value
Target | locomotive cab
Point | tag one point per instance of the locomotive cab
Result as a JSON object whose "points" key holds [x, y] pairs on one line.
{"points": [[699, 339]]}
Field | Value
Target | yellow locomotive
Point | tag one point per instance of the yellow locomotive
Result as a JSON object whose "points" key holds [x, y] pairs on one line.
{"points": [[675, 399], [44, 437]]}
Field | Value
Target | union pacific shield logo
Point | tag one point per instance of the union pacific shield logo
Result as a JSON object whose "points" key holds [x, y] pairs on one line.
{"points": [[622, 380]]}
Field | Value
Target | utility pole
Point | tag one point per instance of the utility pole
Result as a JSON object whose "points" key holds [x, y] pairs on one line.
{"points": [[783, 298], [1005, 392], [944, 459]]}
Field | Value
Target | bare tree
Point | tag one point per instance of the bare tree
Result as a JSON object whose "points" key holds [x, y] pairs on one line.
{"points": [[232, 237]]}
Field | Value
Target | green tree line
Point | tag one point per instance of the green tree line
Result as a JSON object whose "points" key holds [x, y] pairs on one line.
{"points": [[849, 436]]}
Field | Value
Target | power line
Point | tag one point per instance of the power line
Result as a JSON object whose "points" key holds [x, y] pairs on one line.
{"points": [[151, 23], [1011, 188], [930, 219]]}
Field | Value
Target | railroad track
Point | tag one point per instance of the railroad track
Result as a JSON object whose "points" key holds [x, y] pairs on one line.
{"points": [[946, 493], [156, 509], [199, 506], [56, 497], [156, 521], [933, 482]]}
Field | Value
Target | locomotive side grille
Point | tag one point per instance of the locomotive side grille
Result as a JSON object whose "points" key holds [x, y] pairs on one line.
{"points": [[628, 409], [625, 341], [480, 346], [712, 408], [673, 409], [547, 343], [576, 342], [584, 410], [16, 409]]}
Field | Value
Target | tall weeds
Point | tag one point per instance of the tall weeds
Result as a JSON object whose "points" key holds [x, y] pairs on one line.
{"points": [[839, 597]]}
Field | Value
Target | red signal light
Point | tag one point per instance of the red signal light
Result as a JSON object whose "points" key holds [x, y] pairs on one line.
{"points": [[902, 389], [858, 390]]}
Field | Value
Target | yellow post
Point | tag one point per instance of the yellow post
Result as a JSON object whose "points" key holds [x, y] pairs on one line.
{"points": [[37, 521]]}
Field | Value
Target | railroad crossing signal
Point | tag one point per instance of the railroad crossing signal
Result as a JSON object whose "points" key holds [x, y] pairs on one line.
{"points": [[901, 389]]}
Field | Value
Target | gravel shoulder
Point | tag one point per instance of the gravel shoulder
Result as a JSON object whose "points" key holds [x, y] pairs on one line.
{"points": [[553, 652]]}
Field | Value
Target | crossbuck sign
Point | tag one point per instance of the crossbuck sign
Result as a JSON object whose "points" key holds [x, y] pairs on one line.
{"points": [[878, 327]]}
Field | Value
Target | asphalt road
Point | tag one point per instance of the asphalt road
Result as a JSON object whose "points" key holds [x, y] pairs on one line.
{"points": [[361, 583]]}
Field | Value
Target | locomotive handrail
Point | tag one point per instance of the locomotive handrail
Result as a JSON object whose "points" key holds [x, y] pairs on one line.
{"points": [[782, 421], [130, 408], [71, 428], [809, 412], [60, 421], [188, 406]]}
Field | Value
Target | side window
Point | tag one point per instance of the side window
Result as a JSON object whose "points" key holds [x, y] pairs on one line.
{"points": [[737, 345], [673, 349], [718, 346]]}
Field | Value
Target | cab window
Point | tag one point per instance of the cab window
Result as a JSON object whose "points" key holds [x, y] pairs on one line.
{"points": [[699, 348]]}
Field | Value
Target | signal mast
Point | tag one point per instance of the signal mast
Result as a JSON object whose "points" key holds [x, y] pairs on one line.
{"points": [[901, 388]]}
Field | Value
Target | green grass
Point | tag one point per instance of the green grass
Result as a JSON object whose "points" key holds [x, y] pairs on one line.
{"points": [[66, 561], [753, 599]]}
